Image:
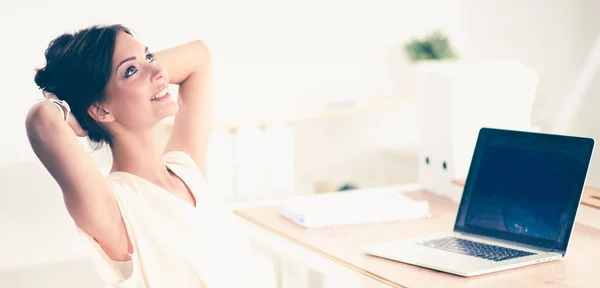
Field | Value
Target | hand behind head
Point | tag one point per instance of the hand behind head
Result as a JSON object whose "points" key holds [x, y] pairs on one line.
{"points": [[80, 132]]}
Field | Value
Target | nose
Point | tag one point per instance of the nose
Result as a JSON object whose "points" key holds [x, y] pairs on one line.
{"points": [[158, 73]]}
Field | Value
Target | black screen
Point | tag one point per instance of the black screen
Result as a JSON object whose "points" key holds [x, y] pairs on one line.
{"points": [[525, 187]]}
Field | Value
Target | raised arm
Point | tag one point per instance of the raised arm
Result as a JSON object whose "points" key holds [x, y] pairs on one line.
{"points": [[189, 66], [87, 196]]}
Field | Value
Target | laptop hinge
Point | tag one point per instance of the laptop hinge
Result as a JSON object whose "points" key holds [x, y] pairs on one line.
{"points": [[502, 241]]}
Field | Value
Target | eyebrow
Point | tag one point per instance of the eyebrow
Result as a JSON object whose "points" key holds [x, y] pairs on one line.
{"points": [[129, 59]]}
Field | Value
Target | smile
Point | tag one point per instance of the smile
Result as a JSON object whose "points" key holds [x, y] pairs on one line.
{"points": [[162, 95]]}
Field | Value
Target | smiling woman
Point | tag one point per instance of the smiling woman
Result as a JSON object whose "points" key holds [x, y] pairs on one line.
{"points": [[153, 221]]}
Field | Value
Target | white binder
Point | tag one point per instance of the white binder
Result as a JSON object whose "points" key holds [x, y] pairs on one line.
{"points": [[455, 101]]}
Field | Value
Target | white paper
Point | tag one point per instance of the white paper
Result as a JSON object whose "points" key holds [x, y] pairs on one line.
{"points": [[350, 208]]}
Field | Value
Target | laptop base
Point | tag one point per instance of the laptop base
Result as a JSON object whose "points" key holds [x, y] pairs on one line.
{"points": [[410, 252]]}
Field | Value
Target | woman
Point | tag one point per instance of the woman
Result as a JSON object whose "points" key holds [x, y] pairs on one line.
{"points": [[152, 222]]}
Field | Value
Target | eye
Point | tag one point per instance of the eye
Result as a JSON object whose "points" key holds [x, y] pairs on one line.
{"points": [[130, 71], [150, 57]]}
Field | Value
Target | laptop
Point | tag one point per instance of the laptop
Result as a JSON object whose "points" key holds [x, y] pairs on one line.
{"points": [[518, 207]]}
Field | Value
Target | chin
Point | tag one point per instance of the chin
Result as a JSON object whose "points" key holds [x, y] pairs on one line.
{"points": [[166, 112], [172, 109]]}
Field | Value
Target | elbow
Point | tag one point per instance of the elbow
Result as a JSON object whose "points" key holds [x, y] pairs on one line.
{"points": [[32, 121], [39, 120], [202, 51], [200, 45]]}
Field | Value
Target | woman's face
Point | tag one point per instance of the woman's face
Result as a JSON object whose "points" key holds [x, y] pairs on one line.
{"points": [[135, 92]]}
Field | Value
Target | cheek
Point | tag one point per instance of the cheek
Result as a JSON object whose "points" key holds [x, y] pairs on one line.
{"points": [[138, 92], [139, 97], [132, 101]]}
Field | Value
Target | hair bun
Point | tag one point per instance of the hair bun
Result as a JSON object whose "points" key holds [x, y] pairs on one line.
{"points": [[45, 78], [41, 78]]}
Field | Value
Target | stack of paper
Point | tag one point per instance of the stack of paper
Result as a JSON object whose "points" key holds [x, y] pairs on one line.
{"points": [[351, 208]]}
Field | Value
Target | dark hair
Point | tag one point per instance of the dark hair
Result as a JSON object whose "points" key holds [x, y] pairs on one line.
{"points": [[78, 68]]}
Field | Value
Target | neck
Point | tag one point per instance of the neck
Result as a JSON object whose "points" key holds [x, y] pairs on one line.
{"points": [[138, 154]]}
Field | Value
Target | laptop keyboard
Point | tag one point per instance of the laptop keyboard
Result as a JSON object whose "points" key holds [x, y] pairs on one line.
{"points": [[476, 249]]}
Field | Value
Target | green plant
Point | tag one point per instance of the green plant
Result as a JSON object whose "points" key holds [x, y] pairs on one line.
{"points": [[435, 46]]}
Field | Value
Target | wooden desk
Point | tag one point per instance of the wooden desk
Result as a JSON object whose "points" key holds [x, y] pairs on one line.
{"points": [[343, 245]]}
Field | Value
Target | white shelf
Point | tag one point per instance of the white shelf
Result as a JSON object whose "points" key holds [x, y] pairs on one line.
{"points": [[395, 103]]}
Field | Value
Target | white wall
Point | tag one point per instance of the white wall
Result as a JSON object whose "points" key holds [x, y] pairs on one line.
{"points": [[546, 35], [359, 150], [553, 37], [35, 227], [586, 122]]}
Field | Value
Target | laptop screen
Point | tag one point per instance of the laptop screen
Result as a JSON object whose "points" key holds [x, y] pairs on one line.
{"points": [[524, 187]]}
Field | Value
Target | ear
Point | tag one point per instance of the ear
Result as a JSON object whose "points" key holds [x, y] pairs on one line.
{"points": [[99, 113]]}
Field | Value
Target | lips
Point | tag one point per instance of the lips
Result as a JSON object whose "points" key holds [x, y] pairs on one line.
{"points": [[161, 93]]}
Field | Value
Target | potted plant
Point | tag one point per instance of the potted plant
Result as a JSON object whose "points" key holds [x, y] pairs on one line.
{"points": [[434, 47], [433, 52]]}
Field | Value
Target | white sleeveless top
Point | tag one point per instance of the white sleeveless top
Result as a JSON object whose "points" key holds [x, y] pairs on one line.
{"points": [[174, 243]]}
